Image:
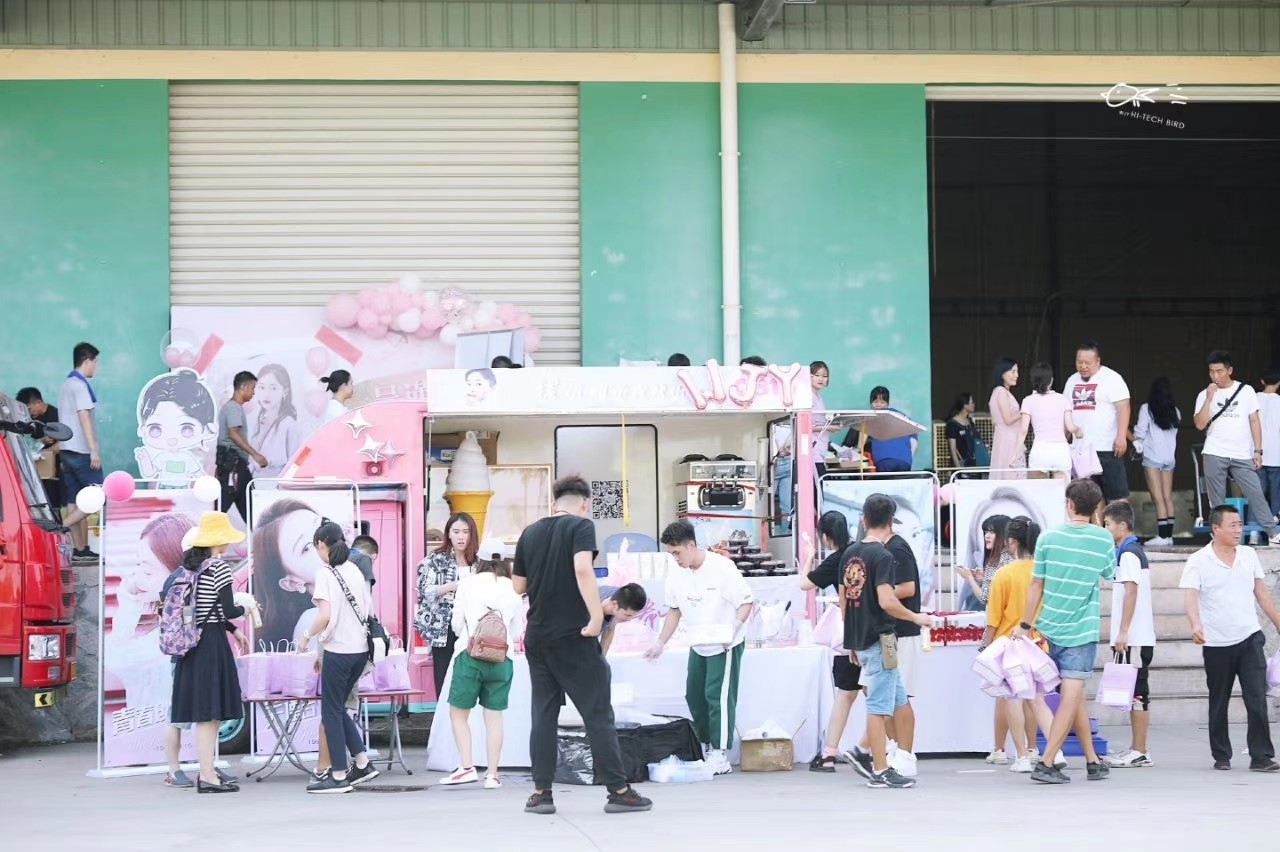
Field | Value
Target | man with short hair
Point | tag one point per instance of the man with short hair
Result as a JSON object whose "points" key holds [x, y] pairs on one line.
{"points": [[1133, 626], [712, 597], [80, 456], [1223, 580], [234, 451], [870, 602], [1100, 407], [619, 606], [1227, 412], [47, 465], [364, 549], [1070, 560], [554, 566]]}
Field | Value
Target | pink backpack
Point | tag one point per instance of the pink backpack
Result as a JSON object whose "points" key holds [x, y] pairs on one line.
{"points": [[488, 642]]}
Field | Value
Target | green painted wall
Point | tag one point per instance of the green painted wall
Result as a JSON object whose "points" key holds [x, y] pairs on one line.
{"points": [[834, 231], [650, 196], [84, 248]]}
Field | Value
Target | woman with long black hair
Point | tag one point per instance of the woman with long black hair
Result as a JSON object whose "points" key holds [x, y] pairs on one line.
{"points": [[343, 603], [834, 529], [962, 435], [1156, 437], [438, 578], [1008, 453]]}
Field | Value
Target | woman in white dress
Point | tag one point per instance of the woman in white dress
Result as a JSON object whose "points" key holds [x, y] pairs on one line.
{"points": [[339, 384]]}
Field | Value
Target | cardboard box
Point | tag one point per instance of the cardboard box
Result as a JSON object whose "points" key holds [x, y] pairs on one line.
{"points": [[443, 444], [770, 755]]}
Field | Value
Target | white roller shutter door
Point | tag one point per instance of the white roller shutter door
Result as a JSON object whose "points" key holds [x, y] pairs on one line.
{"points": [[288, 194]]}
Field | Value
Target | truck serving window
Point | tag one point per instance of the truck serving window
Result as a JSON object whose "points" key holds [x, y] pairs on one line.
{"points": [[23, 450]]}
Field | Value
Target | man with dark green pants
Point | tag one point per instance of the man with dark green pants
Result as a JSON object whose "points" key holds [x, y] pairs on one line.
{"points": [[710, 595]]}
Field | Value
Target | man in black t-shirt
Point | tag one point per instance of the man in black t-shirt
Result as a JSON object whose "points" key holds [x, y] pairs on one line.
{"points": [[870, 601], [554, 566]]}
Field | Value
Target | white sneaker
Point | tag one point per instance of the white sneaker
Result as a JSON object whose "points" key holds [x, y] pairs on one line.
{"points": [[1060, 762], [1275, 539], [905, 763], [1160, 541], [718, 758], [998, 757], [492, 782], [1034, 754], [1022, 764], [1129, 760], [461, 776], [890, 748]]}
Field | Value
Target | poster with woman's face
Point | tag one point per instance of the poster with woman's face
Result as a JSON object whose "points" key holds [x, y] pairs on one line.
{"points": [[1041, 500], [141, 547], [914, 520]]}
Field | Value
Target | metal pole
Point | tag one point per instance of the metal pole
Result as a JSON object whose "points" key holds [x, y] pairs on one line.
{"points": [[729, 228]]}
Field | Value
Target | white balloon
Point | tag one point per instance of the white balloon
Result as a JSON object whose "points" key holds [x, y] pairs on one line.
{"points": [[486, 313], [466, 324], [206, 489], [449, 335], [410, 283], [91, 499], [409, 321], [430, 299]]}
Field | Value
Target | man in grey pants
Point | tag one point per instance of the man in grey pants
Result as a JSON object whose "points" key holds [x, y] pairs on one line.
{"points": [[1227, 411]]}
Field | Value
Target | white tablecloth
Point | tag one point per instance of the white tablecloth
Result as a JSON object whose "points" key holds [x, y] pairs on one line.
{"points": [[788, 685], [952, 714]]}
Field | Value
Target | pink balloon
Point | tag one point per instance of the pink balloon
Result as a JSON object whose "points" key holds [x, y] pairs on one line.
{"points": [[381, 303], [379, 332], [318, 361], [118, 486], [316, 402], [425, 333], [343, 310], [532, 339], [172, 357], [433, 318], [416, 300], [523, 319], [187, 359], [366, 297], [947, 494], [401, 302], [368, 320], [507, 314]]}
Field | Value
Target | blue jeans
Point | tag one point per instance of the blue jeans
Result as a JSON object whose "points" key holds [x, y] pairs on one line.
{"points": [[1271, 487], [885, 690], [784, 490], [1074, 662]]}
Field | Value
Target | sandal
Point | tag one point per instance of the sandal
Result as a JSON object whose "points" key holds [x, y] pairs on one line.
{"points": [[823, 763]]}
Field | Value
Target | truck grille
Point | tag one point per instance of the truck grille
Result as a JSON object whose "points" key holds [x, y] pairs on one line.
{"points": [[71, 645], [68, 577], [67, 600]]}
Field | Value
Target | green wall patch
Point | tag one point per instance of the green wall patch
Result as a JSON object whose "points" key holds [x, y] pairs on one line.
{"points": [[84, 250]]}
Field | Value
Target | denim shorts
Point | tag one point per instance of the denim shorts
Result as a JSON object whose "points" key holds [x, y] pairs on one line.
{"points": [[1076, 662], [885, 690], [77, 473], [1156, 465]]}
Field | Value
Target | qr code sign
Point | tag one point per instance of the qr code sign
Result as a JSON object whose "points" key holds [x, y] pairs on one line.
{"points": [[606, 499]]}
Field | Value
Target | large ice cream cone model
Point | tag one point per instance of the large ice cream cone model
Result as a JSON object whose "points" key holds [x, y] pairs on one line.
{"points": [[467, 487], [474, 503]]}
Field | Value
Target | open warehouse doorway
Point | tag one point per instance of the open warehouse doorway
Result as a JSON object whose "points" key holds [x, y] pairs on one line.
{"points": [[1150, 227]]}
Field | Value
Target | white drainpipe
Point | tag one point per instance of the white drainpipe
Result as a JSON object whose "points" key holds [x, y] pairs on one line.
{"points": [[729, 233]]}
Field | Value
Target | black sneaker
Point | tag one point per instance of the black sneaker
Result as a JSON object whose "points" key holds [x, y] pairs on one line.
{"points": [[627, 801], [541, 803], [1042, 774], [823, 763], [861, 762], [84, 554], [329, 784], [1264, 766], [1097, 771], [890, 780], [357, 776]]}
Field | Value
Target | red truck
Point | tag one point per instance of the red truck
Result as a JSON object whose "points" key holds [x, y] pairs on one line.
{"points": [[37, 598]]}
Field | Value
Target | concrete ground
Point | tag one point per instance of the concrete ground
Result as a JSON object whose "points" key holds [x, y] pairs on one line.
{"points": [[47, 802]]}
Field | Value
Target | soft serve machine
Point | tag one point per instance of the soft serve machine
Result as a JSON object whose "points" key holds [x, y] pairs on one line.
{"points": [[720, 498]]}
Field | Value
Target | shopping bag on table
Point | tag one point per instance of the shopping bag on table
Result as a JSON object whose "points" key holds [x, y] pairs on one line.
{"points": [[1084, 459], [987, 664], [366, 683], [277, 664], [255, 675], [829, 631], [301, 679], [1273, 676], [1116, 688], [391, 673]]}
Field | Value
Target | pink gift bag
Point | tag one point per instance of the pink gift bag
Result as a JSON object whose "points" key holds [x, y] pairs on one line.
{"points": [[1116, 688], [997, 690], [1273, 676], [301, 679], [255, 675], [987, 665], [391, 673], [1017, 670], [278, 665], [829, 631], [366, 683], [1084, 459]]}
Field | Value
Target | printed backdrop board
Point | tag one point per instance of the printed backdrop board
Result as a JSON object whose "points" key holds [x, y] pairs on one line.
{"points": [[1042, 500]]}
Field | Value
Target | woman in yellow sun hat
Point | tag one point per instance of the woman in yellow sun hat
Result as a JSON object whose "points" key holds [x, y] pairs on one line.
{"points": [[206, 688]]}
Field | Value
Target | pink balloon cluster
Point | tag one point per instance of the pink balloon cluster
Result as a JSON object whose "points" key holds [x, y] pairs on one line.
{"points": [[404, 307]]}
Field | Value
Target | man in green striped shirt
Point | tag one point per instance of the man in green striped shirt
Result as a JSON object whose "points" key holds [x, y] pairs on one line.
{"points": [[1070, 560]]}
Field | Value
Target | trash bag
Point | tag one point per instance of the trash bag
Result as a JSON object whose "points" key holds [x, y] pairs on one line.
{"points": [[639, 746]]}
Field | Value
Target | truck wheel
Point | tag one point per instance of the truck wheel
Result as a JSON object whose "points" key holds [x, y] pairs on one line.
{"points": [[233, 736]]}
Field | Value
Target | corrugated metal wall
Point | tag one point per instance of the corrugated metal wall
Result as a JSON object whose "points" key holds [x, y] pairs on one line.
{"points": [[630, 25]]}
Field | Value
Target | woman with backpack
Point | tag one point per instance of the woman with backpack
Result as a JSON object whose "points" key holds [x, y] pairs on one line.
{"points": [[486, 610], [206, 687], [343, 605]]}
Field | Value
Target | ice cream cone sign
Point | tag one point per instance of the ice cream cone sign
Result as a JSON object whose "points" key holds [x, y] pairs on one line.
{"points": [[467, 487]]}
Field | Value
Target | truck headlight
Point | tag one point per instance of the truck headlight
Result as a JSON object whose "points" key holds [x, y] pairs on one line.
{"points": [[44, 648]]}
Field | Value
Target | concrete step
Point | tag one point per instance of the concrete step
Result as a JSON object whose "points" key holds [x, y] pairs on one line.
{"points": [[1176, 710], [1163, 601], [1168, 627]]}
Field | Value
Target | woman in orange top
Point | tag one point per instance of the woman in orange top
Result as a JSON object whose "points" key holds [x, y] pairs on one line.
{"points": [[1005, 607]]}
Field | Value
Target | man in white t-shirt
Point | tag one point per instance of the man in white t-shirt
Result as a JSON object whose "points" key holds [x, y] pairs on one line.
{"points": [[1269, 413], [1133, 626], [1223, 580], [1100, 406], [711, 597], [1227, 411]]}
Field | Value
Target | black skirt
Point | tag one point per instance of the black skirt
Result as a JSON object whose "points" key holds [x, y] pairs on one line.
{"points": [[206, 687]]}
